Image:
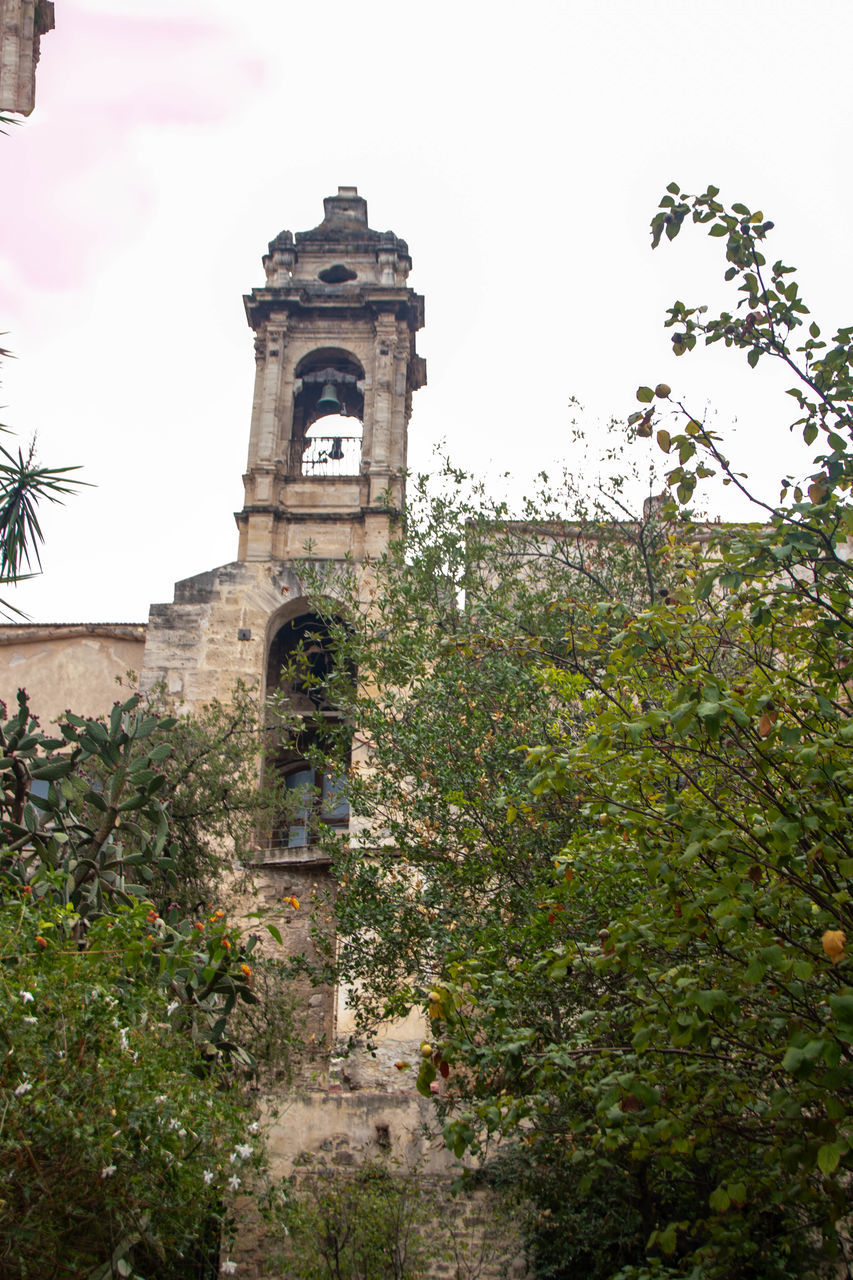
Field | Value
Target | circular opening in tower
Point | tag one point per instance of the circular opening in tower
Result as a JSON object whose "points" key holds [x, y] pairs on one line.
{"points": [[337, 274]]}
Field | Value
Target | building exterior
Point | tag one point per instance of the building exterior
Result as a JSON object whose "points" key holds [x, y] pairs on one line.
{"points": [[336, 367], [22, 24]]}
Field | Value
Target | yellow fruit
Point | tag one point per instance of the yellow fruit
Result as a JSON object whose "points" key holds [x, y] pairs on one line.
{"points": [[426, 1049], [833, 943], [662, 390]]}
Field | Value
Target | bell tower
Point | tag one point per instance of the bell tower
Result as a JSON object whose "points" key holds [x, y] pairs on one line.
{"points": [[335, 327]]}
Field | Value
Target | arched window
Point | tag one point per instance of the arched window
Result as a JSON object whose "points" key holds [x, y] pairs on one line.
{"points": [[327, 415], [313, 795]]}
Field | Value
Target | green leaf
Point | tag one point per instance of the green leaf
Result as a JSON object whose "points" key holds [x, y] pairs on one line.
{"points": [[828, 1157], [645, 395], [719, 1199], [426, 1075]]}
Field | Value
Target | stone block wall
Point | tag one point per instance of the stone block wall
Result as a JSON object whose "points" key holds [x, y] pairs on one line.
{"points": [[469, 1235]]}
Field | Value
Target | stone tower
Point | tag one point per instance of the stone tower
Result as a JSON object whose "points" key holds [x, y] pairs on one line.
{"points": [[335, 332], [335, 327]]}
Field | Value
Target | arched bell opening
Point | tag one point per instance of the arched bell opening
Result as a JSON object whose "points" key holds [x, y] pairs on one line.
{"points": [[307, 733], [328, 414]]}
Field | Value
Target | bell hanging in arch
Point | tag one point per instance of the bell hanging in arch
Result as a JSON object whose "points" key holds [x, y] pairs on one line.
{"points": [[336, 452], [329, 402]]}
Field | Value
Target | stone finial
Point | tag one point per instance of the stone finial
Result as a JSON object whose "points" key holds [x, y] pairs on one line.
{"points": [[346, 206]]}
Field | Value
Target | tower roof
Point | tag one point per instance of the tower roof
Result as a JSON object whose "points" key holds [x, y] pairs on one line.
{"points": [[344, 223]]}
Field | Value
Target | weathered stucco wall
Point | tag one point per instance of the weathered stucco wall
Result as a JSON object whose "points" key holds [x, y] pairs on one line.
{"points": [[68, 666]]}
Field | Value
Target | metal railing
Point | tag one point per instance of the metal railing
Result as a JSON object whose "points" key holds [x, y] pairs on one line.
{"points": [[329, 456]]}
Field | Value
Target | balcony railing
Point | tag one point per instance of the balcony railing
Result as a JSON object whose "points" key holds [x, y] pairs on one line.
{"points": [[328, 456]]}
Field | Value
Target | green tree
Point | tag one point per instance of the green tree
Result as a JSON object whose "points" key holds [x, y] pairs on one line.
{"points": [[217, 809], [456, 652], [715, 778], [630, 939], [124, 1129], [368, 1224], [23, 486]]}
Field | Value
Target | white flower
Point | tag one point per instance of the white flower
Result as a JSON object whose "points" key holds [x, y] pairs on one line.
{"points": [[122, 1035], [27, 997], [31, 1021], [22, 1089], [243, 1150], [182, 1133], [228, 1267], [207, 1176], [108, 1171], [253, 1128], [233, 1182], [170, 1008]]}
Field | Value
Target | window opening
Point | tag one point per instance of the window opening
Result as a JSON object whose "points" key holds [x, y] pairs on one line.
{"points": [[328, 412], [332, 447], [312, 796]]}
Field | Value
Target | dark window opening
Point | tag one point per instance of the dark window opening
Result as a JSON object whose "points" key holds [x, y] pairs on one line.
{"points": [[300, 664], [338, 274], [313, 795]]}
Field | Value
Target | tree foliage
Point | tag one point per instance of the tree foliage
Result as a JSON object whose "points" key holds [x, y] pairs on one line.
{"points": [[123, 1127], [629, 937], [215, 804]]}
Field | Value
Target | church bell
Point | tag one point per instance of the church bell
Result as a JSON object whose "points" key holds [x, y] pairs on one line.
{"points": [[336, 452], [329, 402]]}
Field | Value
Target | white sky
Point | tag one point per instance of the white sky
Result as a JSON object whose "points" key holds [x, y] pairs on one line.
{"points": [[521, 151]]}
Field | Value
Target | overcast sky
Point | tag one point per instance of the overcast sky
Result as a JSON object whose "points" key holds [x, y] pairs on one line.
{"points": [[520, 149]]}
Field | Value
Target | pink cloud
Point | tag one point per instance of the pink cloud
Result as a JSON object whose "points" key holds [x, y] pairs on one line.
{"points": [[101, 79]]}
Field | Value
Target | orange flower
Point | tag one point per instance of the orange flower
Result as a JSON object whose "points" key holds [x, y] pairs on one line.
{"points": [[247, 969], [226, 944], [198, 925], [41, 942], [294, 902]]}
